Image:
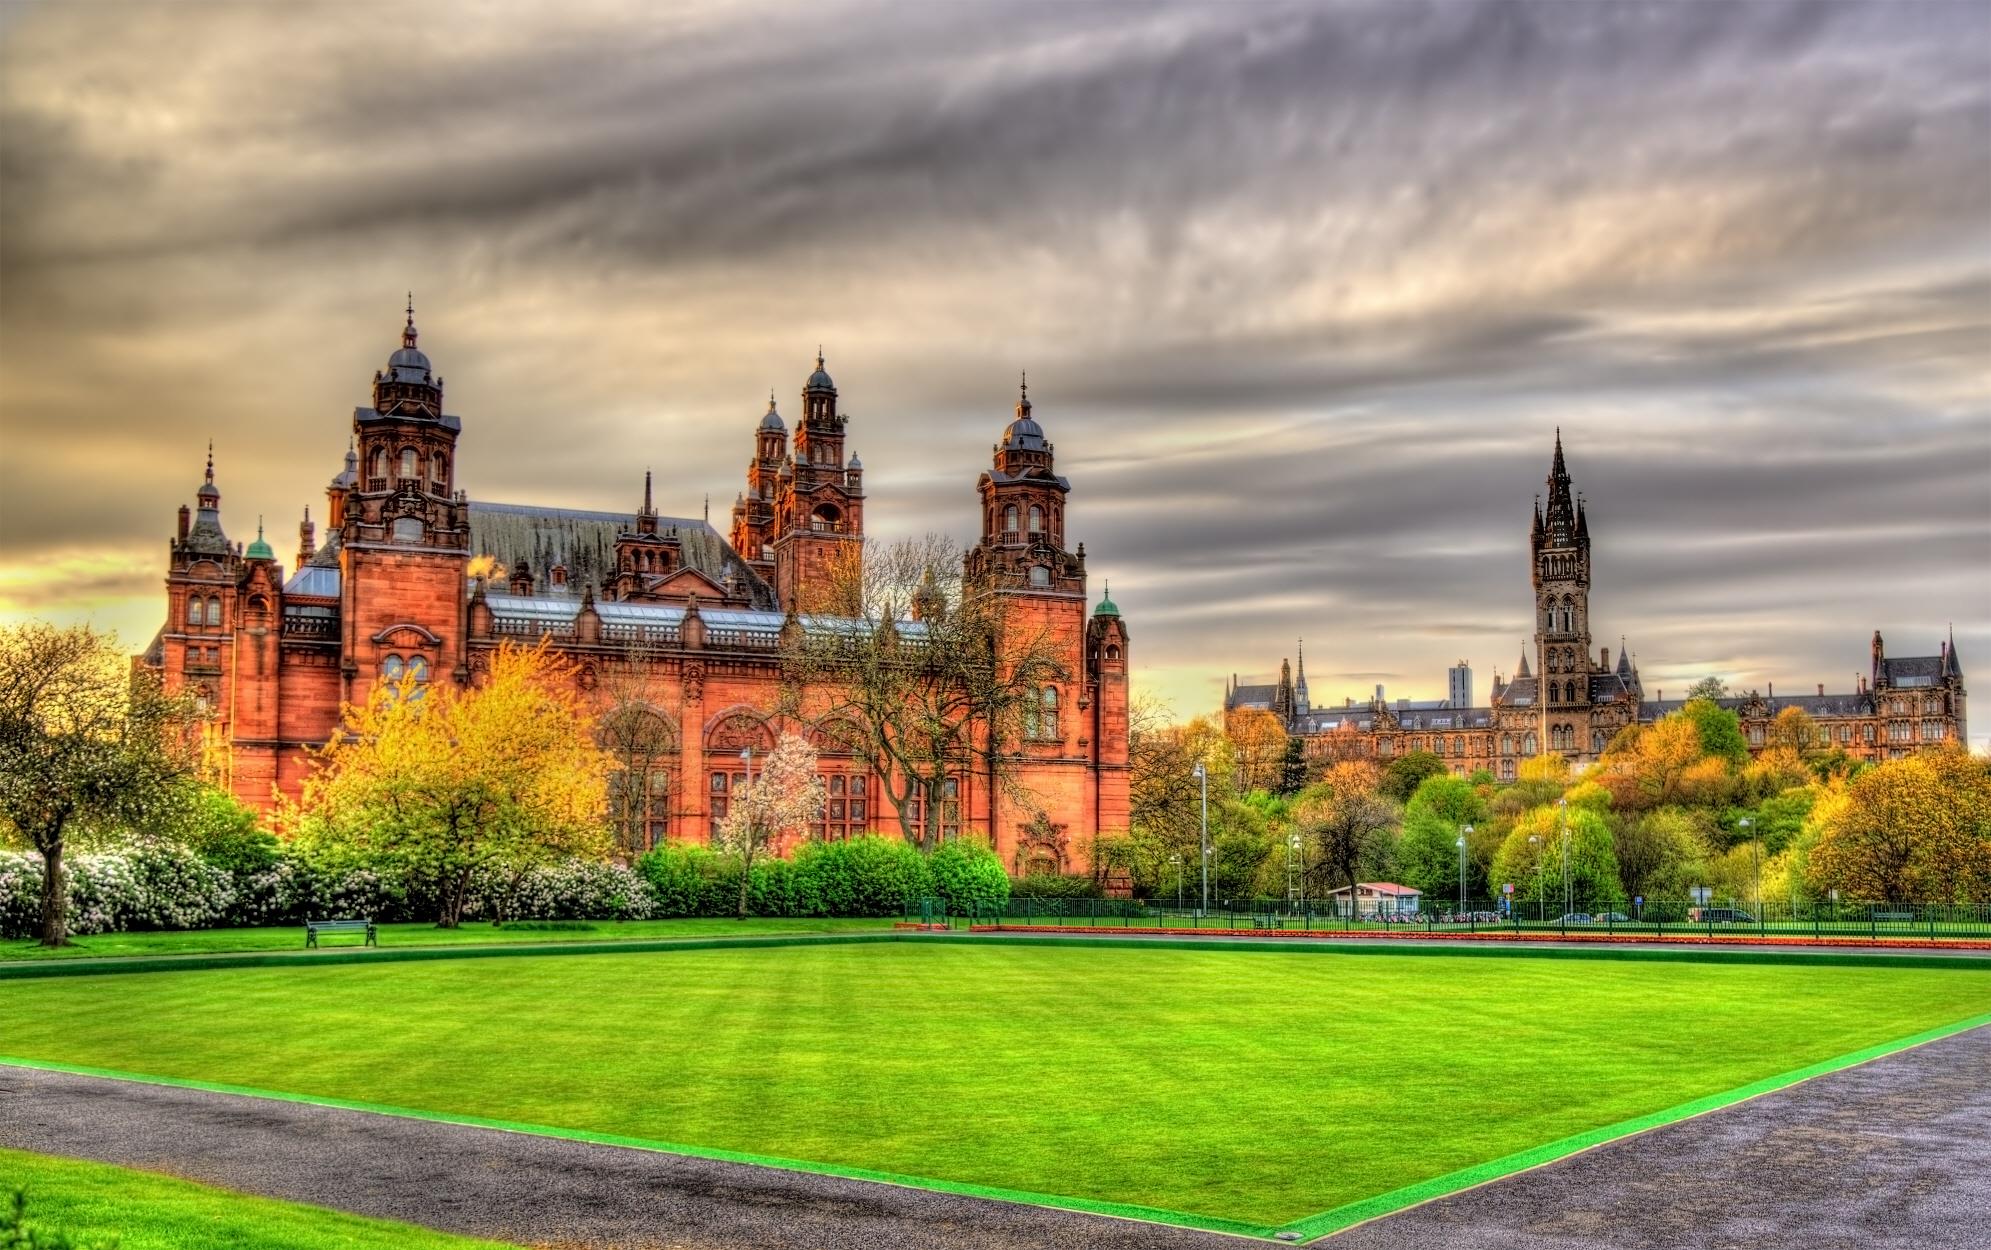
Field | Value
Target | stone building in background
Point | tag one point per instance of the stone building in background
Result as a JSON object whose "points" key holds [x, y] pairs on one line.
{"points": [[1570, 697], [657, 613]]}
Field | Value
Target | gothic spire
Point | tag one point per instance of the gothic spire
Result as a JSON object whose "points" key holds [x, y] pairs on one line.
{"points": [[1561, 517]]}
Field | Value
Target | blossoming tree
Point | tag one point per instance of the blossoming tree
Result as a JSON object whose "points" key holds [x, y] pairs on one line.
{"points": [[786, 794]]}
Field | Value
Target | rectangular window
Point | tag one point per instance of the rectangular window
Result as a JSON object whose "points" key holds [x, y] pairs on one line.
{"points": [[846, 811], [950, 808]]}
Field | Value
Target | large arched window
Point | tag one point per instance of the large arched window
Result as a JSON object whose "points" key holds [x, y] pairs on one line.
{"points": [[213, 610], [1036, 519], [376, 469], [1050, 703], [439, 473], [194, 614], [413, 669], [1528, 743], [1009, 519], [410, 472]]}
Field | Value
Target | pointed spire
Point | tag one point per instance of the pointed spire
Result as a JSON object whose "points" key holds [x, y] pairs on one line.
{"points": [[647, 508], [1952, 667], [210, 462], [1522, 672], [408, 331]]}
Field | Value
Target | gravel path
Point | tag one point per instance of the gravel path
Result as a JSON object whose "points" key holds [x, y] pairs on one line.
{"points": [[1893, 1153], [1889, 1154]]}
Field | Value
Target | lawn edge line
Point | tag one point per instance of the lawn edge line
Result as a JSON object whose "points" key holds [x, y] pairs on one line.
{"points": [[1087, 1206], [111, 965], [1362, 1211]]}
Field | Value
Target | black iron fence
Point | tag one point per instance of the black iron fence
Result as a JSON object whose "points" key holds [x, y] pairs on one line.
{"points": [[1820, 918]]}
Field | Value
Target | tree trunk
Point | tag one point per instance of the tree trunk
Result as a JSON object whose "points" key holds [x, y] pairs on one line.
{"points": [[746, 878], [54, 897]]}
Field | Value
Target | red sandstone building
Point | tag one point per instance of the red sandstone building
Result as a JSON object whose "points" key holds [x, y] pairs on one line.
{"points": [[694, 619]]}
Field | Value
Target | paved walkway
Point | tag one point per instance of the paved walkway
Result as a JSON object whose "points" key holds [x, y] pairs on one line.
{"points": [[1889, 1154]]}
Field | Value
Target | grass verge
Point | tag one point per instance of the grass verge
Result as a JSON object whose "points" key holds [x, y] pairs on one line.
{"points": [[96, 1203]]}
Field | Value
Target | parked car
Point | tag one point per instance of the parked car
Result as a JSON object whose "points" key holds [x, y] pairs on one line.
{"points": [[1613, 917], [1576, 917], [1719, 915]]}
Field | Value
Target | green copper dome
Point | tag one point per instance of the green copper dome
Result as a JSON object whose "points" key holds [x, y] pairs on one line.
{"points": [[1106, 605], [260, 550]]}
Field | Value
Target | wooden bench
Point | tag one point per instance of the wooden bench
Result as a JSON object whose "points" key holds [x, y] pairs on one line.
{"points": [[312, 928]]}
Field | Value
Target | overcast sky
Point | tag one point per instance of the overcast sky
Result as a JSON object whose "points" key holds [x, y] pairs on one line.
{"points": [[1303, 291]]}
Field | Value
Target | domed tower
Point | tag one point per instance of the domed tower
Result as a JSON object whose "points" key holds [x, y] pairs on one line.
{"points": [[753, 511], [1023, 515], [404, 529], [1560, 545], [818, 522]]}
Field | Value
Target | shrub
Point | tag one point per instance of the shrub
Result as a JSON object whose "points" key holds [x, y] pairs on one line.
{"points": [[687, 880], [969, 876], [1056, 885], [574, 889], [20, 894], [867, 876]]}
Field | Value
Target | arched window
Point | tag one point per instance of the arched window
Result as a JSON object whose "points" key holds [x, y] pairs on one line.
{"points": [[1458, 745], [409, 461], [1050, 703], [1009, 519], [1040, 575], [1528, 743], [376, 469], [1507, 744], [1036, 519], [194, 616], [213, 610], [1597, 741], [439, 472]]}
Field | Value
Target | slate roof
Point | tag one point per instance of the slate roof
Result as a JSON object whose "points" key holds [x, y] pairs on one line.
{"points": [[584, 541], [1919, 670], [1252, 698]]}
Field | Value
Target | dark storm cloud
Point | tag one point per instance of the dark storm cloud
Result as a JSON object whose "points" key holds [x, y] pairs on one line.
{"points": [[1304, 290]]}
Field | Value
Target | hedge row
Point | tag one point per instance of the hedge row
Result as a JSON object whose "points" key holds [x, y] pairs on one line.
{"points": [[149, 884]]}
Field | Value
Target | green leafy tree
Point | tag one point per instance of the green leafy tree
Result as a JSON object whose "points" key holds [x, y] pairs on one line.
{"points": [[1709, 687], [1406, 772], [1720, 732], [1549, 840], [1293, 768], [1659, 853], [1346, 826], [1916, 829], [86, 746], [1427, 853]]}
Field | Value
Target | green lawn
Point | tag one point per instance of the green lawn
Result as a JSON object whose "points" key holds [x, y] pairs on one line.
{"points": [[94, 1203], [1252, 1085], [291, 937]]}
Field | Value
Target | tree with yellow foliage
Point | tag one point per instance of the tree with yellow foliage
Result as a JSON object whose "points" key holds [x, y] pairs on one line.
{"points": [[446, 780], [1914, 829], [1259, 741]]}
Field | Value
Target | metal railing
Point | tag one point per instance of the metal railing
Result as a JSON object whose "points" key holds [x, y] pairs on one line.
{"points": [[1815, 919]]}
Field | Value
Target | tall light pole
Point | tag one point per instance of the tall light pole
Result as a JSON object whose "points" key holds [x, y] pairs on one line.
{"points": [[1177, 861], [1462, 865], [1562, 819], [1756, 857], [1535, 839], [1203, 779], [1292, 869]]}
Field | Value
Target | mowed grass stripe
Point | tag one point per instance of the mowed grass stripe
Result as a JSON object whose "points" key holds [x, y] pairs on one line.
{"points": [[1254, 1087]]}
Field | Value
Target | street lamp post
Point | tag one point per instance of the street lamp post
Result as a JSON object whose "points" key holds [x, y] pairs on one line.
{"points": [[1462, 865], [1756, 859], [1177, 861], [1562, 819], [1203, 779], [1535, 840]]}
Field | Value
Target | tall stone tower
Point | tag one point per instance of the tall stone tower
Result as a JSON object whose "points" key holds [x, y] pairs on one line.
{"points": [[819, 505], [1560, 545], [404, 531]]}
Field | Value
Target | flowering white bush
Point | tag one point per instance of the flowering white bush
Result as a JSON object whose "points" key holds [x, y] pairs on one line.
{"points": [[574, 889], [142, 885], [20, 894]]}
